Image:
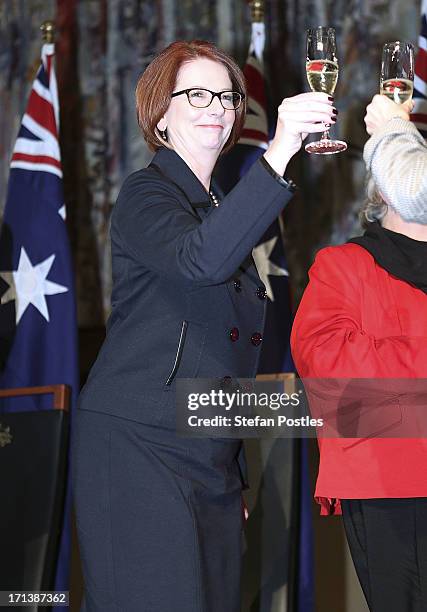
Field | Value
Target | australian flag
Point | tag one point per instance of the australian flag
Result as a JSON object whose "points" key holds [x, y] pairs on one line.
{"points": [[281, 564], [419, 114], [38, 326]]}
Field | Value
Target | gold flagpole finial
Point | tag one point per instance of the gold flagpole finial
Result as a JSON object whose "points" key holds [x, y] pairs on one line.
{"points": [[48, 31], [257, 10]]}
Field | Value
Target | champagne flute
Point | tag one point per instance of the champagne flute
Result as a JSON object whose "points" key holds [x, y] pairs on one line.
{"points": [[397, 71], [322, 75]]}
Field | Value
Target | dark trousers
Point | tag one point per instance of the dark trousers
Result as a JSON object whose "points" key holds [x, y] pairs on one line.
{"points": [[388, 544], [159, 518]]}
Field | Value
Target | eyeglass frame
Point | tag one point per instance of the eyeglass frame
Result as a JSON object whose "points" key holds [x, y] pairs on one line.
{"points": [[214, 94]]}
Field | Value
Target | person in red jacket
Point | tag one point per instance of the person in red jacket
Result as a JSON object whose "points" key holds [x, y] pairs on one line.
{"points": [[364, 316]]}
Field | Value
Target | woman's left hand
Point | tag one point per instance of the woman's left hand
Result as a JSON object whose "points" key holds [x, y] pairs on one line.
{"points": [[298, 116]]}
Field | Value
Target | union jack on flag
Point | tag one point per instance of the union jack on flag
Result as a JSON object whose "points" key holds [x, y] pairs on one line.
{"points": [[38, 325], [255, 129], [419, 114], [37, 147]]}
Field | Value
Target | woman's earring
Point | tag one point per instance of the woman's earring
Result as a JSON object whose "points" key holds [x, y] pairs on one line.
{"points": [[164, 134]]}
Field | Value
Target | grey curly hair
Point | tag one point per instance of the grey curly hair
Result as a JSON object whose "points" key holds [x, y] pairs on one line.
{"points": [[374, 207]]}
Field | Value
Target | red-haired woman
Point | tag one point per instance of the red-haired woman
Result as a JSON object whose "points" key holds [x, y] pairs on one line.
{"points": [[159, 516]]}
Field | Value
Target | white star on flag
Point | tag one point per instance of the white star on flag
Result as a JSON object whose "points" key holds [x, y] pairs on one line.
{"points": [[62, 212], [29, 285], [261, 254]]}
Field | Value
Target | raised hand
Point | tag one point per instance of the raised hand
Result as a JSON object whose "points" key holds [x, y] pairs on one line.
{"points": [[382, 109], [298, 116]]}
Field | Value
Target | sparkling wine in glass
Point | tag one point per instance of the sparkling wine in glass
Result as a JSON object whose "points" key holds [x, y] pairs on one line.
{"points": [[397, 71], [322, 75]]}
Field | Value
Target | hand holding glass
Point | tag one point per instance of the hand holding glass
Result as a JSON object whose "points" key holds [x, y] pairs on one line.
{"points": [[322, 75], [397, 71]]}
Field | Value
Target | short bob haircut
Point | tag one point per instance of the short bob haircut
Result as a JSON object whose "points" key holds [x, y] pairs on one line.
{"points": [[157, 83]]}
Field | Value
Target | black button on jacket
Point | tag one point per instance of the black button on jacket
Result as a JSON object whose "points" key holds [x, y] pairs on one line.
{"points": [[175, 263]]}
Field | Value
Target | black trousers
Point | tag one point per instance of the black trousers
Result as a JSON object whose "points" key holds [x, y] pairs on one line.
{"points": [[388, 544], [159, 518]]}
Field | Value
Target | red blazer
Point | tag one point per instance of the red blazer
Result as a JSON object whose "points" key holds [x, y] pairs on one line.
{"points": [[356, 320]]}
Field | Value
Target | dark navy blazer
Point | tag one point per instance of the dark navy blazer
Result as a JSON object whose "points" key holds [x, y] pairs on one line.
{"points": [[187, 300]]}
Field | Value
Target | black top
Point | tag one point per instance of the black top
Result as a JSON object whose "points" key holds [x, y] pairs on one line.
{"points": [[403, 257]]}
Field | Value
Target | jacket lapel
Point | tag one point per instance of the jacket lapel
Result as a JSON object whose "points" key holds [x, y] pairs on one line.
{"points": [[174, 169]]}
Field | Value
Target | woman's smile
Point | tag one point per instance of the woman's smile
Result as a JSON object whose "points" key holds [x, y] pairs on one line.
{"points": [[214, 126]]}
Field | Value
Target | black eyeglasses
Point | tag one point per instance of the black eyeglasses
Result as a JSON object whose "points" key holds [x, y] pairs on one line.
{"points": [[202, 98]]}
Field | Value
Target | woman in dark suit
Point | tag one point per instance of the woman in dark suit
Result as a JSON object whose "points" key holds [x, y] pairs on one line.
{"points": [[159, 517]]}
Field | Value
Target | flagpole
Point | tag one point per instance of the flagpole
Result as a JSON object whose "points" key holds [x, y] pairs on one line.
{"points": [[63, 552], [300, 582], [48, 31]]}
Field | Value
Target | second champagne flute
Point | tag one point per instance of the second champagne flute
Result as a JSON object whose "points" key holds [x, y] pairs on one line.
{"points": [[322, 75], [397, 71]]}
